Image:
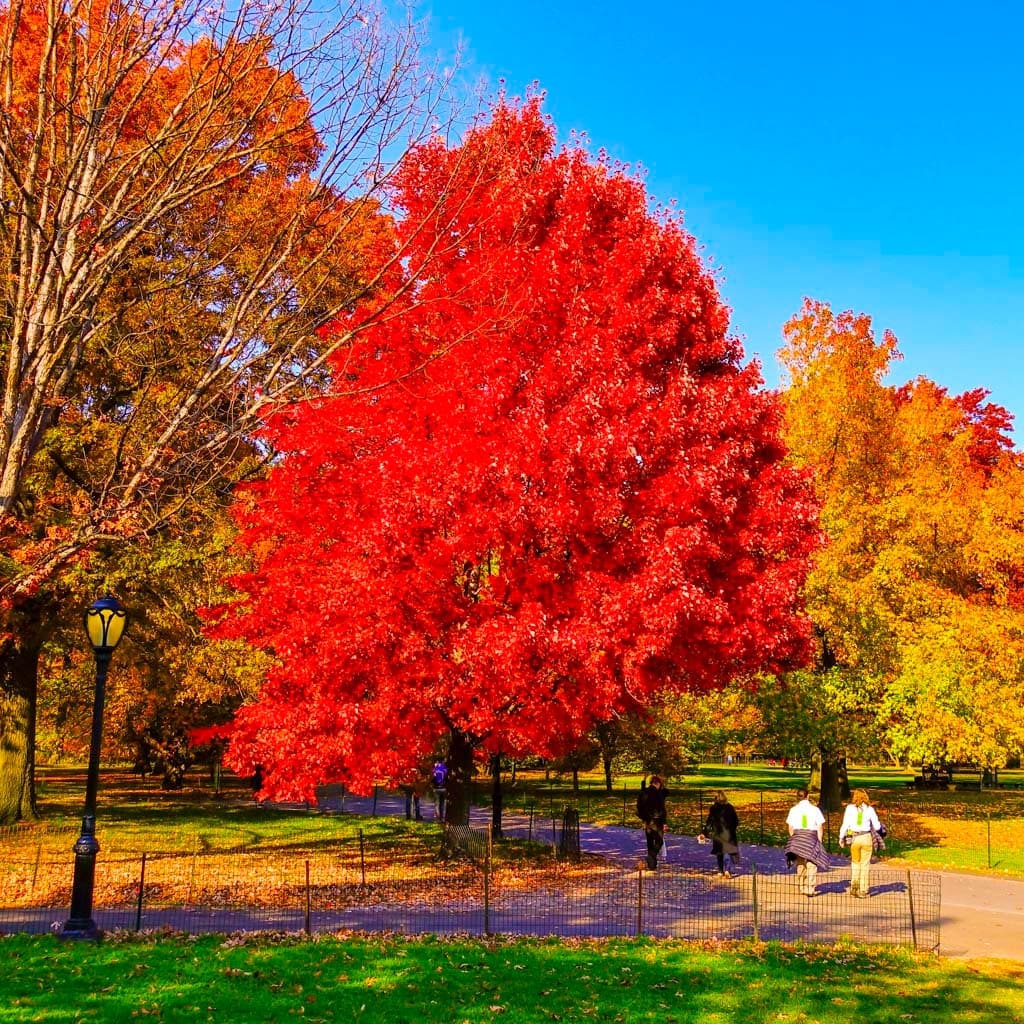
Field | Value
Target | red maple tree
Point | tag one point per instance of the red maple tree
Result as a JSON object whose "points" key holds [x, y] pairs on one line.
{"points": [[543, 488]]}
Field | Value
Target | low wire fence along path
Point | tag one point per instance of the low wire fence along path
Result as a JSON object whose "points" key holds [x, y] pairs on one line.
{"points": [[359, 885], [980, 916], [325, 894]]}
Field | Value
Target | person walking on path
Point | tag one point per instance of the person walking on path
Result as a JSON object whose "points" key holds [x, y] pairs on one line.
{"points": [[412, 791], [650, 808], [859, 828], [805, 823], [440, 780], [720, 828]]}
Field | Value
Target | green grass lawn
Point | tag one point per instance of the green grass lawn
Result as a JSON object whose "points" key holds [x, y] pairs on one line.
{"points": [[431, 981]]}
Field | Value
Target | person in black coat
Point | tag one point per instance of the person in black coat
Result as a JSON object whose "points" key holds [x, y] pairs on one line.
{"points": [[650, 808], [720, 828]]}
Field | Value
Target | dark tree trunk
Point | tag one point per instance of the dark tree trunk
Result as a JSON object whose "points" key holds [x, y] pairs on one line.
{"points": [[829, 780], [460, 777], [496, 801], [606, 736], [19, 680]]}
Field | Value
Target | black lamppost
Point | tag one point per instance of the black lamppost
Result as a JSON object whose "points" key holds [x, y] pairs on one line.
{"points": [[104, 622]]}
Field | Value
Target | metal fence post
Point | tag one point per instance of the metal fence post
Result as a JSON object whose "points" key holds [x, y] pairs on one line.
{"points": [[35, 868], [142, 889], [988, 836], [753, 889], [487, 886], [761, 836], [192, 873], [640, 901], [374, 813], [913, 919], [362, 857], [307, 896]]}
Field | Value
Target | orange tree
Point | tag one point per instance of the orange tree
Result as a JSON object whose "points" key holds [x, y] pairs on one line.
{"points": [[187, 191]]}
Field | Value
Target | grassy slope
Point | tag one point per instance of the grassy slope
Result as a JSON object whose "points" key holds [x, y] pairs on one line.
{"points": [[386, 980]]}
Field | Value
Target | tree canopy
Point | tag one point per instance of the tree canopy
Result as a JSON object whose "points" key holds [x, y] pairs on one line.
{"points": [[573, 499], [187, 192], [917, 597]]}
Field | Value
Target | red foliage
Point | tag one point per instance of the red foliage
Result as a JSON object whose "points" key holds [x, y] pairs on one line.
{"points": [[544, 487], [990, 426]]}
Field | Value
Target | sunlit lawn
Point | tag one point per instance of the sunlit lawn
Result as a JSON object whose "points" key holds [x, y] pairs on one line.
{"points": [[430, 981], [136, 816]]}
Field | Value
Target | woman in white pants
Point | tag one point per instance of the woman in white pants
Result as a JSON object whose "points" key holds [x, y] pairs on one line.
{"points": [[859, 821]]}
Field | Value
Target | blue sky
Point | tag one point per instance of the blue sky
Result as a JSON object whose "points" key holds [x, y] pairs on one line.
{"points": [[868, 155]]}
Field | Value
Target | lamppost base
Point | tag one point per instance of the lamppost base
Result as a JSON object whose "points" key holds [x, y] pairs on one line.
{"points": [[76, 930]]}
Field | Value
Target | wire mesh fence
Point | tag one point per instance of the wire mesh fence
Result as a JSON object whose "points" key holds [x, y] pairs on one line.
{"points": [[460, 888]]}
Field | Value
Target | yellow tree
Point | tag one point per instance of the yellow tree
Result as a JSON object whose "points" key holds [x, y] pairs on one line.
{"points": [[920, 497]]}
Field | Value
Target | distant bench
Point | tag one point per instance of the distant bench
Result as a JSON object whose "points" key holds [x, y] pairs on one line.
{"points": [[972, 780]]}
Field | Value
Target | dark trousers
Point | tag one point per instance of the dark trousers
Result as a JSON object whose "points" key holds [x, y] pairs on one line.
{"points": [[412, 806], [655, 841]]}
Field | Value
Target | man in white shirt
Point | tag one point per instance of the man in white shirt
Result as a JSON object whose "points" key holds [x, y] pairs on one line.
{"points": [[805, 823]]}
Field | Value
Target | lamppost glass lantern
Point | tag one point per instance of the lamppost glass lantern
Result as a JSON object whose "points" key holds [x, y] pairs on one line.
{"points": [[105, 620]]}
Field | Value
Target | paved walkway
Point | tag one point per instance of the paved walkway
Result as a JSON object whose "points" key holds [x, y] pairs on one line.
{"points": [[982, 916]]}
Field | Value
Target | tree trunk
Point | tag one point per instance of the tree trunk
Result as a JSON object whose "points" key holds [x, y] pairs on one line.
{"points": [[496, 802], [606, 737], [829, 780], [460, 777], [19, 677]]}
